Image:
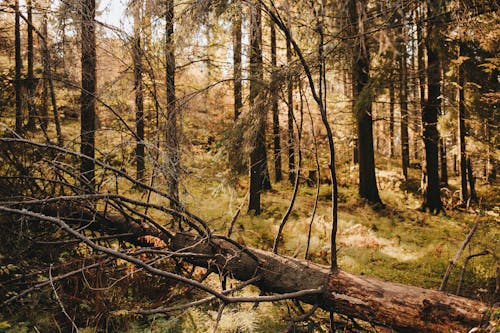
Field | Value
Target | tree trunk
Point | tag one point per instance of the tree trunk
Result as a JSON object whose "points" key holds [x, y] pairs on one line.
{"points": [[363, 108], [274, 95], [237, 58], [139, 105], [403, 100], [19, 65], [88, 98], [472, 181], [432, 199], [420, 72], [289, 89], [391, 118], [172, 135], [44, 112], [464, 196], [400, 307], [30, 78], [443, 162], [257, 155]]}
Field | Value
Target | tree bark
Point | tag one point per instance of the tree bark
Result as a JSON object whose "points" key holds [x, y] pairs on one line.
{"points": [[275, 110], [464, 196], [139, 105], [237, 19], [391, 118], [403, 100], [172, 135], [289, 90], [400, 307], [30, 78], [363, 109], [432, 198], [44, 116], [88, 98], [258, 152], [19, 65]]}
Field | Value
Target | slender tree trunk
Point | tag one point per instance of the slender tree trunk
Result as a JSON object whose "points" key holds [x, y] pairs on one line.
{"points": [[420, 72], [172, 135], [139, 105], [464, 196], [290, 131], [236, 160], [391, 117], [274, 95], [363, 110], [19, 64], [443, 162], [257, 155], [30, 78], [403, 100], [472, 181], [237, 19], [88, 98], [44, 119], [432, 199]]}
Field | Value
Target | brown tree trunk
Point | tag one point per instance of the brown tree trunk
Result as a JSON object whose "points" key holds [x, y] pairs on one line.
{"points": [[257, 155], [275, 110], [172, 135], [391, 118], [363, 110], [44, 116], [19, 65], [403, 100], [400, 307], [88, 98], [432, 198], [289, 89], [139, 105], [464, 195], [30, 78], [472, 181], [237, 58]]}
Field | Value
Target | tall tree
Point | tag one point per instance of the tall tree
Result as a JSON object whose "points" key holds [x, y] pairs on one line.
{"points": [[88, 94], [274, 104], [172, 135], [19, 64], [237, 21], [289, 89], [464, 196], [258, 149], [30, 79], [432, 198], [363, 107], [139, 104], [403, 95], [391, 118], [44, 111]]}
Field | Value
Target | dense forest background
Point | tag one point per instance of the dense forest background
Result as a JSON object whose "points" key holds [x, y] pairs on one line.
{"points": [[221, 165]]}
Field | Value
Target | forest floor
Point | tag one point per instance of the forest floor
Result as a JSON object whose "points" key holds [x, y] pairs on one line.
{"points": [[398, 243]]}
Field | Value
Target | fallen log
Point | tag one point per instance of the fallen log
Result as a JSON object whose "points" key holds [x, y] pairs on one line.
{"points": [[401, 307]]}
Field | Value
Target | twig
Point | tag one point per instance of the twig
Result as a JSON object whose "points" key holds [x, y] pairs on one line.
{"points": [[453, 261], [466, 261], [59, 301]]}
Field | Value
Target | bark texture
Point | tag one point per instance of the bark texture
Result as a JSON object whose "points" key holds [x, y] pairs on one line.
{"points": [[88, 95], [401, 307]]}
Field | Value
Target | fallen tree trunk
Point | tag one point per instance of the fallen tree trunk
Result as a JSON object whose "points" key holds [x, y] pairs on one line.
{"points": [[400, 307]]}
